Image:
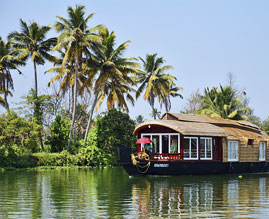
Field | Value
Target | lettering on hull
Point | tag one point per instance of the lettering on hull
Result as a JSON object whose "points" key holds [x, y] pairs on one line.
{"points": [[161, 165]]}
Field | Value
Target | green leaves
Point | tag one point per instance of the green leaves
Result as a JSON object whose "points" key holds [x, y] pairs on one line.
{"points": [[157, 83], [223, 103], [17, 130], [59, 132], [8, 62], [113, 72], [115, 127]]}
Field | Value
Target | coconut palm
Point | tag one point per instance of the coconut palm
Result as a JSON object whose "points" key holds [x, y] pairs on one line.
{"points": [[154, 81], [224, 103], [113, 72], [77, 38], [2, 101], [31, 43], [165, 99], [65, 76], [7, 63]]}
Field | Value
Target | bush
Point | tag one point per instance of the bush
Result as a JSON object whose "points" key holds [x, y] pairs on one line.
{"points": [[91, 154], [15, 130], [59, 133], [11, 157], [56, 159], [115, 128]]}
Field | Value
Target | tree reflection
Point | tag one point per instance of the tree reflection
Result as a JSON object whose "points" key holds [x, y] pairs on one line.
{"points": [[110, 193]]}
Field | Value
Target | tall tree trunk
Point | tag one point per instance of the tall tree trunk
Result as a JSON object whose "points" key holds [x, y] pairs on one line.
{"points": [[74, 105], [35, 79], [90, 118], [5, 95], [153, 112], [151, 102], [41, 141], [72, 99], [6, 103], [37, 108]]}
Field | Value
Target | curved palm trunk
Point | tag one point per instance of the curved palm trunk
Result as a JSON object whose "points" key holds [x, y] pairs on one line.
{"points": [[74, 105], [90, 118]]}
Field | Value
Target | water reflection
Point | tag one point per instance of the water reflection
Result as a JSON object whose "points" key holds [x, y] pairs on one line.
{"points": [[208, 196], [109, 192]]}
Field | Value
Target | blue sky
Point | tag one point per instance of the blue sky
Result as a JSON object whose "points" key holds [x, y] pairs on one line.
{"points": [[203, 40]]}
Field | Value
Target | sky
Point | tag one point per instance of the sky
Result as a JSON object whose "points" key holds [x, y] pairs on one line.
{"points": [[203, 40]]}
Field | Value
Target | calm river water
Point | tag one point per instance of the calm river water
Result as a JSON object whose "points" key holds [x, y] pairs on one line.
{"points": [[110, 193]]}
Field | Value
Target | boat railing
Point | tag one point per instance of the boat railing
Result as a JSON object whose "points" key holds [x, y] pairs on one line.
{"points": [[166, 156]]}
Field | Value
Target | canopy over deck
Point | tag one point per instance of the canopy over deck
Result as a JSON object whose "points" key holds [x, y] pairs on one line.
{"points": [[189, 124]]}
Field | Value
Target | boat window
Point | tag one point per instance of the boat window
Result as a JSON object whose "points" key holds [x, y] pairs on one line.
{"points": [[156, 143], [250, 142], [262, 151], [206, 148], [232, 150], [190, 148], [173, 143], [164, 143]]}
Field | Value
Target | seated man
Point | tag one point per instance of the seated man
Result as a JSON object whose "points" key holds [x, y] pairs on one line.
{"points": [[148, 148]]}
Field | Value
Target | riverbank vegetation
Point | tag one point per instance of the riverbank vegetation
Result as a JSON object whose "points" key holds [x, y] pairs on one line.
{"points": [[58, 128]]}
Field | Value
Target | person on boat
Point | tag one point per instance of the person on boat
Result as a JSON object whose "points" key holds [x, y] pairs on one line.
{"points": [[148, 148]]}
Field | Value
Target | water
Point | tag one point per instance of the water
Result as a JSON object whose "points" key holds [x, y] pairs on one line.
{"points": [[110, 193]]}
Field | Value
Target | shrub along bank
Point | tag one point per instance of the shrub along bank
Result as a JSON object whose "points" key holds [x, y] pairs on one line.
{"points": [[19, 142]]}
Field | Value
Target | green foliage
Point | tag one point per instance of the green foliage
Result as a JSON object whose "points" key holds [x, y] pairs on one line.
{"points": [[59, 133], [18, 138], [155, 113], [56, 159], [8, 62], [36, 105], [265, 125], [12, 157], [92, 155], [115, 79], [223, 103], [115, 128], [15, 130], [156, 83], [139, 119]]}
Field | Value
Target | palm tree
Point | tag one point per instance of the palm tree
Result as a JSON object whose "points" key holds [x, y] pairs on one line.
{"points": [[64, 75], [7, 63], [165, 99], [223, 104], [77, 38], [2, 101], [155, 81], [113, 75], [31, 43]]}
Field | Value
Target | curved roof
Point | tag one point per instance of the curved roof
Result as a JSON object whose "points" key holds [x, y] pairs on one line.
{"points": [[185, 128], [189, 124]]}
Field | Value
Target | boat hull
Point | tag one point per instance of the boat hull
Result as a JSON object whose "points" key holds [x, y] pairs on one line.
{"points": [[185, 167], [195, 168]]}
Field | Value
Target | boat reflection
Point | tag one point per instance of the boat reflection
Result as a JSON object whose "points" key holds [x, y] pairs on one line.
{"points": [[205, 196]]}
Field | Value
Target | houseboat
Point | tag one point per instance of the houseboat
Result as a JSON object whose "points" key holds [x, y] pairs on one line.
{"points": [[187, 144]]}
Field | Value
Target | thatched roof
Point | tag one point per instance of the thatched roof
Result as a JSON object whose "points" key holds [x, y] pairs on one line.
{"points": [[185, 128], [189, 124]]}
